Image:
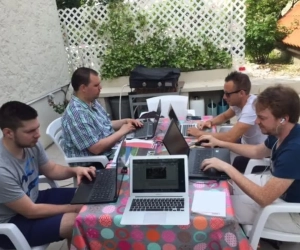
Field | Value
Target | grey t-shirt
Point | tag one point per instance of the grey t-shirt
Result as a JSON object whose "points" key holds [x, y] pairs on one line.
{"points": [[19, 177]]}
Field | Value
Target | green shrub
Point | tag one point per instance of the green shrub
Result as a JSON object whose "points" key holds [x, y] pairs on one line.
{"points": [[124, 52], [262, 31]]}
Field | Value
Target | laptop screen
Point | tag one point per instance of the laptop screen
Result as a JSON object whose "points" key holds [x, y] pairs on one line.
{"points": [[174, 141], [158, 175], [172, 114], [120, 163], [158, 110]]}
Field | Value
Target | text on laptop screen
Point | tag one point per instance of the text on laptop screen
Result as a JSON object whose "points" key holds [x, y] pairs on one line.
{"points": [[158, 175], [174, 141]]}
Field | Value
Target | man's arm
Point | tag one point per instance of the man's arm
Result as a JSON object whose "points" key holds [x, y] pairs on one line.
{"points": [[233, 134], [223, 117], [250, 151], [30, 210], [106, 143], [265, 195], [55, 171], [117, 124], [258, 151]]}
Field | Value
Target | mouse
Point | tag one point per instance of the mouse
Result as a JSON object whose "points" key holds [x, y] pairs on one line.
{"points": [[199, 143], [211, 171]]}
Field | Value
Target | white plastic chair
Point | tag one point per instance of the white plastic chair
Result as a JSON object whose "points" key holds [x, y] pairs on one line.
{"points": [[179, 104], [54, 131], [13, 232], [256, 162], [257, 230]]}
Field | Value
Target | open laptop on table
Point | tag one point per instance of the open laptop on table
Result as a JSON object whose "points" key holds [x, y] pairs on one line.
{"points": [[105, 187], [158, 191], [183, 127], [149, 126], [176, 145]]}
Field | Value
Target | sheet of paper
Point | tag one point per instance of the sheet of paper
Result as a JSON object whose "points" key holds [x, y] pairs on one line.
{"points": [[212, 203]]}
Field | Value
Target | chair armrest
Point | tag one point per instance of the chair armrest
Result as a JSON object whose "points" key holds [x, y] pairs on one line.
{"points": [[263, 215], [256, 162], [44, 179], [99, 158], [15, 235]]}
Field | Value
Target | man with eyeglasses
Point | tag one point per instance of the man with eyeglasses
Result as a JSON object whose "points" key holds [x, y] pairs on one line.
{"points": [[278, 110], [237, 94]]}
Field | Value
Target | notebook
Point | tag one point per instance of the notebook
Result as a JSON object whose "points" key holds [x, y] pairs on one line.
{"points": [[175, 144], [182, 126], [149, 126], [105, 187], [207, 202], [158, 191]]}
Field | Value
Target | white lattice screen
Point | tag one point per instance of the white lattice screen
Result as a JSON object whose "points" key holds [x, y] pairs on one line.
{"points": [[223, 21]]}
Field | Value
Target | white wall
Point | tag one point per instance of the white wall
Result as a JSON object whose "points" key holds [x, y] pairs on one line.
{"points": [[32, 57]]}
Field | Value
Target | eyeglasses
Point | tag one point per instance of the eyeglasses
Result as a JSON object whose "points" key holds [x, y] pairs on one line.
{"points": [[228, 94]]}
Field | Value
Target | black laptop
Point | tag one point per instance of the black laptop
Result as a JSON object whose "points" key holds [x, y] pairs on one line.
{"points": [[176, 145], [149, 126], [105, 187]]}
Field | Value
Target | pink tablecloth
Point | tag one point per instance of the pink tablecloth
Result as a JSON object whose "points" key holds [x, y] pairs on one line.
{"points": [[98, 227]]}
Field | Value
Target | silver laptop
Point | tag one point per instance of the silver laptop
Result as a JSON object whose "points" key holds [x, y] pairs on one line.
{"points": [[182, 126], [158, 191]]}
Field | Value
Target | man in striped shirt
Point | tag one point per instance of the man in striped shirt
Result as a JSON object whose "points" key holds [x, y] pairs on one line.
{"points": [[87, 129]]}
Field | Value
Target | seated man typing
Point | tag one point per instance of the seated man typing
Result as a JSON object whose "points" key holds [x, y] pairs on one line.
{"points": [[237, 94], [86, 127], [42, 216], [278, 110]]}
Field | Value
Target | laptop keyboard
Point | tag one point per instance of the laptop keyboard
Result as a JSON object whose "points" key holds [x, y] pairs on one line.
{"points": [[145, 130], [155, 204], [185, 127], [103, 188], [201, 156]]}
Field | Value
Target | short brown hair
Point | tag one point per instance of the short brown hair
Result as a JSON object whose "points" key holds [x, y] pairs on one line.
{"points": [[281, 100], [241, 81]]}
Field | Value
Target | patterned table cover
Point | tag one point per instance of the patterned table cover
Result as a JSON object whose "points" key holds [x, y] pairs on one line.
{"points": [[98, 226]]}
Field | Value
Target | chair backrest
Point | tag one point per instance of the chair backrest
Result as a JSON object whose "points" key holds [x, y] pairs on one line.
{"points": [[179, 104], [55, 132]]}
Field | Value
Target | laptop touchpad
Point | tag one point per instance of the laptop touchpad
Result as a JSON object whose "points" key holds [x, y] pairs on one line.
{"points": [[156, 218]]}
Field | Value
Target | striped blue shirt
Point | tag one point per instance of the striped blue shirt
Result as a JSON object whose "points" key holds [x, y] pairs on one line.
{"points": [[83, 126]]}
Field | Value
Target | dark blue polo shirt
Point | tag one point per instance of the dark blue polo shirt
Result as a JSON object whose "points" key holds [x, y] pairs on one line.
{"points": [[286, 162]]}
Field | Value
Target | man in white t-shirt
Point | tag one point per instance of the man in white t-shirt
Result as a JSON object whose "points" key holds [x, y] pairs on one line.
{"points": [[237, 94]]}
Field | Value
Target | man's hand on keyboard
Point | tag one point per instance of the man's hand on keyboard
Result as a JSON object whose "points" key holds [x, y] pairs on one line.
{"points": [[127, 128], [209, 141], [135, 123], [87, 172], [194, 132]]}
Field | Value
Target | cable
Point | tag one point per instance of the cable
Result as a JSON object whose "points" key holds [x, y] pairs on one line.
{"points": [[135, 110], [121, 100]]}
